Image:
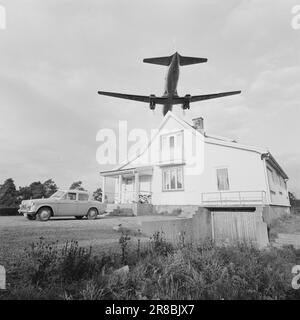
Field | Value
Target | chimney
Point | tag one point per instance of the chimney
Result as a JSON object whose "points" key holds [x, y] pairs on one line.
{"points": [[198, 124]]}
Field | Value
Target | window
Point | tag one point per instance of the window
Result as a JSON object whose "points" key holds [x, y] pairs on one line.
{"points": [[222, 177], [171, 147], [71, 196], [57, 194], [83, 197], [173, 178]]}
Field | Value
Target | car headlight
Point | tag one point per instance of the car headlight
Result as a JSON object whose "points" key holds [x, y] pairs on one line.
{"points": [[31, 206]]}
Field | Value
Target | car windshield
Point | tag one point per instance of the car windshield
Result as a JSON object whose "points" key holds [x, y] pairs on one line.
{"points": [[58, 194]]}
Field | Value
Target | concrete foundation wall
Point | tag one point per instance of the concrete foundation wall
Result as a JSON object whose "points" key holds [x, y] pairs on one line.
{"points": [[144, 209], [174, 210], [223, 227], [194, 229]]}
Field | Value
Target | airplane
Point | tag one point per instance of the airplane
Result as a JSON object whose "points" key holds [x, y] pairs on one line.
{"points": [[170, 96]]}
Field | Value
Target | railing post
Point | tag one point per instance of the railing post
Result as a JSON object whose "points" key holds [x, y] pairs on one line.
{"points": [[103, 189], [120, 188], [137, 186]]}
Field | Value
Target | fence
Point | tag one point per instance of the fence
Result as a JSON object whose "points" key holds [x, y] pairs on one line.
{"points": [[128, 197], [227, 198], [9, 211]]}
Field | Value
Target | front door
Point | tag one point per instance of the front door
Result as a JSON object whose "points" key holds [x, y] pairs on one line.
{"points": [[127, 191]]}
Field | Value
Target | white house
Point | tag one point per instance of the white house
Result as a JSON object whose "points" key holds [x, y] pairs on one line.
{"points": [[183, 165]]}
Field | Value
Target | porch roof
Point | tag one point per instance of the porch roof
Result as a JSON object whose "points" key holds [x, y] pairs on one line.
{"points": [[147, 170]]}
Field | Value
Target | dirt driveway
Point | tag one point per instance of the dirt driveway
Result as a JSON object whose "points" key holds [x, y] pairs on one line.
{"points": [[17, 233]]}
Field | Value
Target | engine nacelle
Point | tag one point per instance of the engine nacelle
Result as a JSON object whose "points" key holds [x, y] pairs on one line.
{"points": [[186, 103], [152, 101]]}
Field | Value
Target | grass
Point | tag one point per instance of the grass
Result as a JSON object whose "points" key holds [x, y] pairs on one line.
{"points": [[157, 270], [285, 224]]}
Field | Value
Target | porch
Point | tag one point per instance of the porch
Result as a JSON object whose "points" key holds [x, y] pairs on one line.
{"points": [[127, 186]]}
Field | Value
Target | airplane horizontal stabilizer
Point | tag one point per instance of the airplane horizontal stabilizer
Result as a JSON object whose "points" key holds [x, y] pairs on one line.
{"points": [[164, 61], [184, 61]]}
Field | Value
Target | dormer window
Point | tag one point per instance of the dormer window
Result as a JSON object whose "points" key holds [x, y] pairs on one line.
{"points": [[171, 148]]}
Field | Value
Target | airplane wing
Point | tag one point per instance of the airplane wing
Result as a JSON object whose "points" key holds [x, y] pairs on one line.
{"points": [[213, 96], [179, 100], [158, 100]]}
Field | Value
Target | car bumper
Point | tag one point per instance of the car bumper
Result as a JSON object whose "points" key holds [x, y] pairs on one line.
{"points": [[26, 213]]}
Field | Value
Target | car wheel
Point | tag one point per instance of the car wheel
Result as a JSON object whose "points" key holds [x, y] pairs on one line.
{"points": [[31, 217], [44, 214], [78, 217], [92, 214]]}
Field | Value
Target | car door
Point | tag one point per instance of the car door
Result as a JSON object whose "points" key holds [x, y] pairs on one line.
{"points": [[83, 204], [68, 206]]}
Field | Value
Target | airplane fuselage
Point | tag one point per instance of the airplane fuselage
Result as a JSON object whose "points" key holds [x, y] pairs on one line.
{"points": [[171, 82]]}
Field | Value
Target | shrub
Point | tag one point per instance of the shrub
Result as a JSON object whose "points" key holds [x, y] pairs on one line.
{"points": [[9, 211], [161, 271]]}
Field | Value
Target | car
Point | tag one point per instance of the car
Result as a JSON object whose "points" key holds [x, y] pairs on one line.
{"points": [[62, 203]]}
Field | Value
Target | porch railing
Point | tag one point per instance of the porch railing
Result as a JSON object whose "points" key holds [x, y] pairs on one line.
{"points": [[227, 198], [128, 197]]}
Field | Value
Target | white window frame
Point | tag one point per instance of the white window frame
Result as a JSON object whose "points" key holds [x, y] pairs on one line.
{"points": [[217, 181], [270, 175], [168, 136], [169, 170]]}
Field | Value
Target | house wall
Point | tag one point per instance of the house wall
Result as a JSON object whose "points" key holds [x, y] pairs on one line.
{"points": [[278, 191], [245, 172], [145, 183], [246, 169]]}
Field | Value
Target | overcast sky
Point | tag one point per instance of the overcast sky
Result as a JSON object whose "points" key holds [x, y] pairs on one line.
{"points": [[56, 54]]}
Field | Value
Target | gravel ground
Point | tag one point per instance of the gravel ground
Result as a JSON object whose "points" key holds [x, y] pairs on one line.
{"points": [[17, 233]]}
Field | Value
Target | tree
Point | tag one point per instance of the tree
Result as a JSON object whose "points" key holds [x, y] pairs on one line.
{"points": [[292, 196], [8, 194], [97, 195], [77, 185], [37, 190], [24, 193], [50, 187]]}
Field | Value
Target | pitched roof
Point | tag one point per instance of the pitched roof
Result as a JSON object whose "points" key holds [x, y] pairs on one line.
{"points": [[210, 139]]}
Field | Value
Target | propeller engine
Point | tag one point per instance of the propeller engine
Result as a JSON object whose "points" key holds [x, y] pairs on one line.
{"points": [[152, 101], [186, 103]]}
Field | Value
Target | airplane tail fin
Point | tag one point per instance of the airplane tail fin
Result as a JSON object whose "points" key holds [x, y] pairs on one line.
{"points": [[164, 61], [184, 61]]}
